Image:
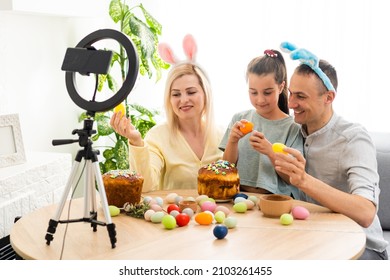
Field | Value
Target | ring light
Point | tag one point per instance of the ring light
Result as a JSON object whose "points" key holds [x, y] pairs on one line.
{"points": [[130, 79]]}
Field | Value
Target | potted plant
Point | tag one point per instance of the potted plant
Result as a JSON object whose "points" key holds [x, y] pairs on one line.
{"points": [[144, 32]]}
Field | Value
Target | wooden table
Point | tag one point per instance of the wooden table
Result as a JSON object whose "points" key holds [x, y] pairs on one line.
{"points": [[324, 235]]}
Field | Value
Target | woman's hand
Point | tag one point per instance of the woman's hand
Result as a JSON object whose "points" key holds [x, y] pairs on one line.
{"points": [[124, 127]]}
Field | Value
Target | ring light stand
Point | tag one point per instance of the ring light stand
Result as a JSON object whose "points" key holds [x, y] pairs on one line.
{"points": [[85, 59]]}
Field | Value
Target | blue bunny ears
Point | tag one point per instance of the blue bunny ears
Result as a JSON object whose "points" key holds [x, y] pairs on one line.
{"points": [[309, 59]]}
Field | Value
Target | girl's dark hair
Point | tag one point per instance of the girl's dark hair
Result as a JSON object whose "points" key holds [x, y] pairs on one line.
{"points": [[268, 64]]}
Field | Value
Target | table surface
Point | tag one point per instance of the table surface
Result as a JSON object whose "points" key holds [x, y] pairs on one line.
{"points": [[323, 235]]}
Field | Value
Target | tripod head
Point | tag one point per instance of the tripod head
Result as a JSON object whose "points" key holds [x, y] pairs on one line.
{"points": [[84, 135]]}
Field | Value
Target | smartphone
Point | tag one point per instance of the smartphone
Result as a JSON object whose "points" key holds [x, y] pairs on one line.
{"points": [[86, 61]]}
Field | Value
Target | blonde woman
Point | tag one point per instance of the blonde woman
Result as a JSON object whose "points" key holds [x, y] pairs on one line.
{"points": [[172, 152]]}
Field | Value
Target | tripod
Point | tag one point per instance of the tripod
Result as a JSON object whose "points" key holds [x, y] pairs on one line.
{"points": [[92, 174]]}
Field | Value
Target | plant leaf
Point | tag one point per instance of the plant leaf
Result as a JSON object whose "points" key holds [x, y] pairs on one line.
{"points": [[108, 165], [122, 154], [109, 153], [151, 21], [103, 126], [116, 10], [147, 37]]}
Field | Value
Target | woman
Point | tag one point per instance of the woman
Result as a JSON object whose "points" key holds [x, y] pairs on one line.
{"points": [[172, 152]]}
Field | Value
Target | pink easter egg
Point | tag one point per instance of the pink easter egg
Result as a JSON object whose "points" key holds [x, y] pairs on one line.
{"points": [[208, 206], [300, 212]]}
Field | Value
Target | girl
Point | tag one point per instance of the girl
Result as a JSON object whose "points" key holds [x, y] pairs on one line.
{"points": [[252, 152]]}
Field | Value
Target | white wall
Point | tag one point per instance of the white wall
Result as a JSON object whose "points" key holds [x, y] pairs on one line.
{"points": [[349, 34]]}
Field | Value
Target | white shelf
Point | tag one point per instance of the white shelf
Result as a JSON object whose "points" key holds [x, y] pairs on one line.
{"points": [[38, 182]]}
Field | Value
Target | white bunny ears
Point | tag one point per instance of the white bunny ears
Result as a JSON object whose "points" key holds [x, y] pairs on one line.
{"points": [[189, 47], [309, 59]]}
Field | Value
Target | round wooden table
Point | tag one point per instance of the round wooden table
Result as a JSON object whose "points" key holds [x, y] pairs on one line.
{"points": [[324, 235]]}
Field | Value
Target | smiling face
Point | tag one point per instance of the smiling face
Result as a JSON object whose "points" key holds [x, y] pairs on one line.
{"points": [[310, 101], [264, 94], [187, 97]]}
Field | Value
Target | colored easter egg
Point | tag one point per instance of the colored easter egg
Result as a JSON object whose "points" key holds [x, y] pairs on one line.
{"points": [[188, 211], [200, 198], [223, 209], [157, 217], [239, 199], [170, 198], [204, 218], [114, 210], [240, 207], [278, 148], [253, 198], [247, 127], [169, 222], [230, 222], [174, 213], [172, 207], [249, 204], [286, 219], [300, 212], [148, 214], [220, 231], [182, 219], [244, 195], [208, 206], [219, 216]]}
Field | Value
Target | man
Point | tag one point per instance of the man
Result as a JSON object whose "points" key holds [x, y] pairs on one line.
{"points": [[339, 170]]}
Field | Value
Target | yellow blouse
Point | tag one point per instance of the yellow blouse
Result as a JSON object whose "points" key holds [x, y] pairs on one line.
{"points": [[167, 163]]}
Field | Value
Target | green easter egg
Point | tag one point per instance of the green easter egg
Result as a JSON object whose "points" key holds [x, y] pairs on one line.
{"points": [[230, 222], [286, 219], [169, 222], [157, 217], [219, 216], [114, 211], [240, 207]]}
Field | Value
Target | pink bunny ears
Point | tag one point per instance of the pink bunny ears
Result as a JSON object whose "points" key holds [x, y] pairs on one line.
{"points": [[189, 47]]}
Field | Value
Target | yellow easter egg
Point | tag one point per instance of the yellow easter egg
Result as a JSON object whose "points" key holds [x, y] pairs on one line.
{"points": [[278, 148], [120, 108]]}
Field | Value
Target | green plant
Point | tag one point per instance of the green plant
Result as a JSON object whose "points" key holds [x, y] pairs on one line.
{"points": [[144, 34]]}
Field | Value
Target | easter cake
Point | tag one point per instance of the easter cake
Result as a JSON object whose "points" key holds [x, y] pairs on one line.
{"points": [[219, 180], [122, 186]]}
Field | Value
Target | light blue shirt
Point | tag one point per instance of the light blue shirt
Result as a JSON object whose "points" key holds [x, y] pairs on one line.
{"points": [[256, 169], [342, 155]]}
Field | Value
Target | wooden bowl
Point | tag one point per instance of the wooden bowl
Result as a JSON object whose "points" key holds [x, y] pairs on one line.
{"points": [[274, 205], [188, 204]]}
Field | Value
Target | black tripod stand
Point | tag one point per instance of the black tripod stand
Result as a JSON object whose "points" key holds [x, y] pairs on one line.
{"points": [[92, 174]]}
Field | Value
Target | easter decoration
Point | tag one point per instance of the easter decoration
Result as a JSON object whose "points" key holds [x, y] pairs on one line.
{"points": [[308, 58]]}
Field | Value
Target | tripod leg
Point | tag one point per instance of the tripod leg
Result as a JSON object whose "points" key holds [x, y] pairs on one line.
{"points": [[54, 222], [90, 212], [103, 199]]}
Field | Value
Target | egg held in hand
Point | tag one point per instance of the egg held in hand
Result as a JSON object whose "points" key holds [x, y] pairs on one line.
{"points": [[278, 148], [248, 127]]}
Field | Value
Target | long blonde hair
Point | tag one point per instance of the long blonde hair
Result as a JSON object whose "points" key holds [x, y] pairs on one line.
{"points": [[176, 72]]}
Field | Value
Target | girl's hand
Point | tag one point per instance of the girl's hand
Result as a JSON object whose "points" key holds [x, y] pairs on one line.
{"points": [[239, 130], [260, 143]]}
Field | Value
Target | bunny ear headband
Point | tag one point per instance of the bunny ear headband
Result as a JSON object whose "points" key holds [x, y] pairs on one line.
{"points": [[309, 59], [189, 47]]}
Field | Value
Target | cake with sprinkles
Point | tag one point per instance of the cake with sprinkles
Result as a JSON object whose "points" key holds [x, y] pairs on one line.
{"points": [[219, 180], [122, 186]]}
